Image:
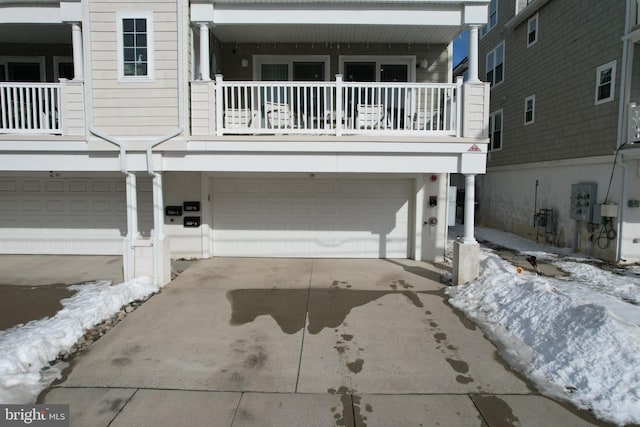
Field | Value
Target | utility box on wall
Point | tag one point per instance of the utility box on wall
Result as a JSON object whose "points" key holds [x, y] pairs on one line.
{"points": [[583, 197]]}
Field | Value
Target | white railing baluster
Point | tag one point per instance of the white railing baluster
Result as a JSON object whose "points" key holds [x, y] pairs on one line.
{"points": [[333, 107], [29, 108]]}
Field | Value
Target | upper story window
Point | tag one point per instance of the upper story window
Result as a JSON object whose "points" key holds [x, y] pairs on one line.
{"points": [[495, 130], [532, 30], [135, 46], [605, 82], [529, 109], [495, 65], [492, 19]]}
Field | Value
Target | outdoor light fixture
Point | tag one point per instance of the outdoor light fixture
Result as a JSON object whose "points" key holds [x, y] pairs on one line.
{"points": [[424, 63], [244, 62]]}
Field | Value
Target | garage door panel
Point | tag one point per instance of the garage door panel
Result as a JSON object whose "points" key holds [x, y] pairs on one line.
{"points": [[315, 218], [62, 215]]}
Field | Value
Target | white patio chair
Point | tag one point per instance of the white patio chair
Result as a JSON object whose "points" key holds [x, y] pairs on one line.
{"points": [[239, 118], [370, 116], [280, 116]]}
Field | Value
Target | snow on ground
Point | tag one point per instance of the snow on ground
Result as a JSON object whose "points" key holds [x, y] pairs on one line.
{"points": [[576, 336], [26, 350]]}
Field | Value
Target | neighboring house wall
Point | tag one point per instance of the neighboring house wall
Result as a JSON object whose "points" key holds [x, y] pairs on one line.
{"points": [[134, 108], [559, 70], [571, 139], [635, 75]]}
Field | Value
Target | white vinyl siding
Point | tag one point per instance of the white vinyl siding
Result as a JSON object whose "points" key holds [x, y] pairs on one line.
{"points": [[137, 107], [605, 82], [311, 218]]}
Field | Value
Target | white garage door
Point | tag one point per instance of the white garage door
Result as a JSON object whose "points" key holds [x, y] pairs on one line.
{"points": [[62, 216], [311, 218]]}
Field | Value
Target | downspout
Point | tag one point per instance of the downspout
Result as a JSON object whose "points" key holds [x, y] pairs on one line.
{"points": [[158, 203], [158, 218], [621, 140], [133, 219]]}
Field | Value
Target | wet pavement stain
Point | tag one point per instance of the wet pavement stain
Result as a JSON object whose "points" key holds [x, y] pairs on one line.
{"points": [[461, 379], [21, 304], [340, 349], [285, 306], [496, 411], [350, 414], [355, 366], [255, 361], [459, 366], [328, 308], [439, 337]]}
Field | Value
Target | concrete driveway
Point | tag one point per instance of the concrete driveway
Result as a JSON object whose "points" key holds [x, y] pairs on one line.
{"points": [[300, 342]]}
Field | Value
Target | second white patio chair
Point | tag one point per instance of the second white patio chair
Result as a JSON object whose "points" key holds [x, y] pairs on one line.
{"points": [[370, 116]]}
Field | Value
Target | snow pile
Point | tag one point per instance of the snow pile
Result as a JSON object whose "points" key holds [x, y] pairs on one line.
{"points": [[572, 348], [26, 350], [603, 282]]}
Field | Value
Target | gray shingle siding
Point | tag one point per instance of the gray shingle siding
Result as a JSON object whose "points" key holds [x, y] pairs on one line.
{"points": [[574, 38]]}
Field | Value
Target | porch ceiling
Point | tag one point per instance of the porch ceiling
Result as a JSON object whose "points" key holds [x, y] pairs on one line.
{"points": [[307, 33], [35, 33]]}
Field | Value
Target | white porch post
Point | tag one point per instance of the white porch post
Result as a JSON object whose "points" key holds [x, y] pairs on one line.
{"points": [[466, 252], [473, 54], [469, 208], [132, 227], [204, 51], [76, 38], [132, 206]]}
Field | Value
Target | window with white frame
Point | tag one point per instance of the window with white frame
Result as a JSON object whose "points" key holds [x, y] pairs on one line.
{"points": [[605, 82], [495, 130], [291, 68], [135, 46], [492, 19], [495, 65], [532, 30], [529, 109]]}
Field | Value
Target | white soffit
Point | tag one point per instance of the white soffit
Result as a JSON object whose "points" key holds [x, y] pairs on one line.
{"points": [[335, 34]]}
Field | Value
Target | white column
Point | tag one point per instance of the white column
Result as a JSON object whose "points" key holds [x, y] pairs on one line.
{"points": [[132, 206], [158, 209], [204, 51], [473, 53], [76, 38], [469, 207]]}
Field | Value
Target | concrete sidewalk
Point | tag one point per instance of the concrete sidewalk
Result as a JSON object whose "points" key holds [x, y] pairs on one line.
{"points": [[300, 342]]}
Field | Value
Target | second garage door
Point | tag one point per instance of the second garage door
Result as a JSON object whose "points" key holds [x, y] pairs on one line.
{"points": [[311, 218]]}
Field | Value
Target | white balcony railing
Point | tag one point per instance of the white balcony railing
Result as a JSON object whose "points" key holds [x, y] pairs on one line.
{"points": [[337, 108], [30, 108]]}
